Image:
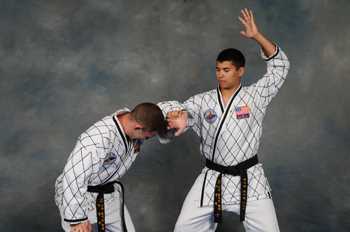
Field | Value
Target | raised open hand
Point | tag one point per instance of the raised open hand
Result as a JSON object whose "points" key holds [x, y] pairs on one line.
{"points": [[247, 19]]}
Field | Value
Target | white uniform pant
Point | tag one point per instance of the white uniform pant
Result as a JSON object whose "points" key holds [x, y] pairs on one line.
{"points": [[260, 214], [115, 226]]}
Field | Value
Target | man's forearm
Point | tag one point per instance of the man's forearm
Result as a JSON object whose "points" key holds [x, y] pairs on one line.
{"points": [[266, 45]]}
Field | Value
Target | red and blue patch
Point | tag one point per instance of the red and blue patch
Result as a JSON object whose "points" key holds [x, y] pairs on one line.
{"points": [[242, 112]]}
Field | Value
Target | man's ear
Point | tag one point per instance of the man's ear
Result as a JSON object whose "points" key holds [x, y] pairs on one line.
{"points": [[241, 71]]}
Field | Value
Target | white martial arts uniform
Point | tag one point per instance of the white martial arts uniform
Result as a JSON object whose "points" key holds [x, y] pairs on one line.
{"points": [[230, 135], [102, 154]]}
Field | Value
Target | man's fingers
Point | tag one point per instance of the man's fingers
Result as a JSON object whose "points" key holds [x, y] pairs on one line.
{"points": [[173, 123], [170, 115], [251, 14], [252, 17], [173, 114], [171, 120], [83, 227], [89, 227], [247, 13], [242, 21], [244, 14], [76, 228], [176, 114], [170, 125], [179, 131]]}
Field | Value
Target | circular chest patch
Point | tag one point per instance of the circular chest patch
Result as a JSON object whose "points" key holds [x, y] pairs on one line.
{"points": [[210, 116]]}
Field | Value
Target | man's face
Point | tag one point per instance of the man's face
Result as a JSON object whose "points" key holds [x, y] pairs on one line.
{"points": [[228, 75]]}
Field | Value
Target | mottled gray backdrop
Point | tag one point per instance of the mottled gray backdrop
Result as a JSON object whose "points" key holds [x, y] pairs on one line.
{"points": [[66, 64]]}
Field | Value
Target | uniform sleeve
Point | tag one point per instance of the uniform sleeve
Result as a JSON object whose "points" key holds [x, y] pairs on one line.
{"points": [[82, 162], [169, 106], [192, 106], [268, 86]]}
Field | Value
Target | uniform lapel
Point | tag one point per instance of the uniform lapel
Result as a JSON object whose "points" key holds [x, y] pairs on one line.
{"points": [[126, 142], [122, 133], [223, 117], [220, 100]]}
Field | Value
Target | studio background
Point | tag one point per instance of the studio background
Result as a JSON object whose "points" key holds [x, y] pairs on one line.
{"points": [[66, 64]]}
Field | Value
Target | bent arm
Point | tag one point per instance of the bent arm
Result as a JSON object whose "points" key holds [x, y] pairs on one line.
{"points": [[267, 87], [82, 162], [191, 116]]}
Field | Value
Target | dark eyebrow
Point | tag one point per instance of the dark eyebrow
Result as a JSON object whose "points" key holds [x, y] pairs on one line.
{"points": [[225, 68]]}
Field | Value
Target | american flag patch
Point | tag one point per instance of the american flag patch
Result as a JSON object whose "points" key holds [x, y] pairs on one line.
{"points": [[242, 112]]}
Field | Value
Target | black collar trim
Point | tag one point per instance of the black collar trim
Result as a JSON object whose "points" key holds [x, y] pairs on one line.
{"points": [[219, 98], [121, 133], [223, 119]]}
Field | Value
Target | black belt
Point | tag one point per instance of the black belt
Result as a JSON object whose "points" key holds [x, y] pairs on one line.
{"points": [[100, 208], [237, 170]]}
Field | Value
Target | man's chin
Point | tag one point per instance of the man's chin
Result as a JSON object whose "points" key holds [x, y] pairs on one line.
{"points": [[225, 87]]}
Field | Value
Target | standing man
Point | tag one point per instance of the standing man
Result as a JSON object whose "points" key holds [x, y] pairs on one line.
{"points": [[88, 192], [228, 121]]}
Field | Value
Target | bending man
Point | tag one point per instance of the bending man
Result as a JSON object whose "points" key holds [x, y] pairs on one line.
{"points": [[88, 191]]}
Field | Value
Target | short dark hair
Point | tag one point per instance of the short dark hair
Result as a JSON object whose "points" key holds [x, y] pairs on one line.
{"points": [[150, 116], [233, 55]]}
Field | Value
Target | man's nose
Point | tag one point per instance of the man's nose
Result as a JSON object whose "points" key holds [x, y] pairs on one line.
{"points": [[220, 76]]}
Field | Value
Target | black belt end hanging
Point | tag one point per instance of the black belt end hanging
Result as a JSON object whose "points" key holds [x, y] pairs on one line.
{"points": [[244, 195], [218, 200], [100, 211]]}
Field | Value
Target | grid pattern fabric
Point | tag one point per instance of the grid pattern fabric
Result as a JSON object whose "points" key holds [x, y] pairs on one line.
{"points": [[101, 154], [231, 134]]}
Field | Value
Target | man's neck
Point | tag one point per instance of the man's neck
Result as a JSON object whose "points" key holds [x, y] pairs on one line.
{"points": [[124, 119], [227, 93]]}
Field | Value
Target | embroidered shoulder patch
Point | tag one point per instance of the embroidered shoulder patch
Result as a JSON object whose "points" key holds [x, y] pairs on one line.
{"points": [[210, 116]]}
